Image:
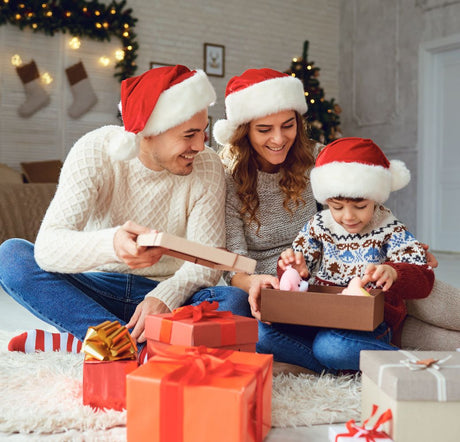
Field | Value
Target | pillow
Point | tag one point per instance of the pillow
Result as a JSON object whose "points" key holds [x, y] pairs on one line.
{"points": [[9, 175]]}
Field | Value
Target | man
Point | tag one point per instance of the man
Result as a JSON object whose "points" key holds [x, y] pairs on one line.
{"points": [[155, 173]]}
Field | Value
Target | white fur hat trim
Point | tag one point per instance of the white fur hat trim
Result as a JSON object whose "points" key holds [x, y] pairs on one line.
{"points": [[179, 103], [358, 180], [123, 146], [256, 101]]}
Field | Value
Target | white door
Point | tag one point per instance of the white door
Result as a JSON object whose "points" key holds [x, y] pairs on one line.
{"points": [[439, 142]]}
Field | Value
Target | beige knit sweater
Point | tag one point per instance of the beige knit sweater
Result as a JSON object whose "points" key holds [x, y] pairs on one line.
{"points": [[278, 227], [96, 195]]}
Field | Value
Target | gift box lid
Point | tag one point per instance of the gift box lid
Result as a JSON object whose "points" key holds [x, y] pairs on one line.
{"points": [[412, 375], [211, 332]]}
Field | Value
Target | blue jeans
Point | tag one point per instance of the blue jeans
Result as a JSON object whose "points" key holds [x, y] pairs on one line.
{"points": [[72, 302], [321, 349]]}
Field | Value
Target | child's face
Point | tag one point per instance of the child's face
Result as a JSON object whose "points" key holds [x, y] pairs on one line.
{"points": [[353, 216]]}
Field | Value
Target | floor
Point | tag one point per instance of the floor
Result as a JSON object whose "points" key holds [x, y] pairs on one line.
{"points": [[14, 317]]}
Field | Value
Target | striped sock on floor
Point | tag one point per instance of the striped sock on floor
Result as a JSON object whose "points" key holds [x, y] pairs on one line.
{"points": [[33, 341]]}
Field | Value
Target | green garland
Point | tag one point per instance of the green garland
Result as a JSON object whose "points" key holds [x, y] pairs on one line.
{"points": [[80, 18]]}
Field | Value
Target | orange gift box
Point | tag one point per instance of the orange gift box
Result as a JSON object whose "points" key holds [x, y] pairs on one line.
{"points": [[104, 383], [198, 394], [201, 325]]}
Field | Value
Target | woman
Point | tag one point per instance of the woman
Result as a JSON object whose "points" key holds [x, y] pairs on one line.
{"points": [[268, 159]]}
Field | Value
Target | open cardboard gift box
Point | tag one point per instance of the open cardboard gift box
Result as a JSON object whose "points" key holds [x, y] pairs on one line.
{"points": [[197, 394], [323, 306], [424, 400]]}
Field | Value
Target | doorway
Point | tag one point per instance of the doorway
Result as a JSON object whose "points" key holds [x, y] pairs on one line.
{"points": [[438, 201]]}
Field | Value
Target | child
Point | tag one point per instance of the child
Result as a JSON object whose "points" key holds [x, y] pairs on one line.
{"points": [[357, 235]]}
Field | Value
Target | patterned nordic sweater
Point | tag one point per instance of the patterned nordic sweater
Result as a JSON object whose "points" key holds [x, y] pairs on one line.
{"points": [[339, 256], [96, 195]]}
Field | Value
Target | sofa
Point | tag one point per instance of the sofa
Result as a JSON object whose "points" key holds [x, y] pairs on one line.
{"points": [[432, 323]]}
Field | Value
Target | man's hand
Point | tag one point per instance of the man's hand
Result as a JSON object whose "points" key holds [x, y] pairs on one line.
{"points": [[126, 248], [383, 275], [256, 284], [149, 306], [296, 260]]}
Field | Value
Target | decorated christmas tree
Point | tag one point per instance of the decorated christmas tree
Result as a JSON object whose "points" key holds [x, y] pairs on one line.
{"points": [[323, 115]]}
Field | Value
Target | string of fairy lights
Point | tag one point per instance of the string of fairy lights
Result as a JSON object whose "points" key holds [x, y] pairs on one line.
{"points": [[80, 19]]}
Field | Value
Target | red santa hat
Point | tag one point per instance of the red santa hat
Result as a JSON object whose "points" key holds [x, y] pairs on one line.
{"points": [[156, 101], [255, 94], [356, 168]]}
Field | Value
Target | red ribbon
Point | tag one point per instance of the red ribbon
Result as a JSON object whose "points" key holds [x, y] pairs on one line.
{"points": [[197, 363], [373, 433], [205, 310]]}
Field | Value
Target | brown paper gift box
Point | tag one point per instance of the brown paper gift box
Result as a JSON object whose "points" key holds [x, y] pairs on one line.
{"points": [[322, 306], [234, 332], [425, 403], [236, 407]]}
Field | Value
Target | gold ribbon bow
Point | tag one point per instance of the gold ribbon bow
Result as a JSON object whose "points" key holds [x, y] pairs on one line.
{"points": [[109, 341]]}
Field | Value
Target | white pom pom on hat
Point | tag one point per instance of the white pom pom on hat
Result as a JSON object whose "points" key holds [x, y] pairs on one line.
{"points": [[156, 101], [356, 168], [257, 93]]}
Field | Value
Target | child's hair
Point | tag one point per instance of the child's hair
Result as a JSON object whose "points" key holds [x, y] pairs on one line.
{"points": [[345, 198]]}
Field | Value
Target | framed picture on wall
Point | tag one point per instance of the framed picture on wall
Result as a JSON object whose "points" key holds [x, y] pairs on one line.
{"points": [[208, 133], [214, 59], [154, 64]]}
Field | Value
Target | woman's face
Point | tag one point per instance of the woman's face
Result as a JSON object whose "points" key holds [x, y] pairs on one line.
{"points": [[272, 137]]}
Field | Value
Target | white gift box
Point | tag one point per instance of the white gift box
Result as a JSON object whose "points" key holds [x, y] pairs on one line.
{"points": [[424, 399]]}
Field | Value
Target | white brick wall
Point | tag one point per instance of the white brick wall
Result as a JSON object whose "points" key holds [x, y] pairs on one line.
{"points": [[255, 33]]}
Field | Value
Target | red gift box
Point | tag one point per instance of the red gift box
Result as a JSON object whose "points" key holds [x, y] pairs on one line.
{"points": [[104, 383], [201, 325], [197, 394], [110, 356]]}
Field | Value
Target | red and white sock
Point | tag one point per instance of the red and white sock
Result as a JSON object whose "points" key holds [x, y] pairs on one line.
{"points": [[33, 341]]}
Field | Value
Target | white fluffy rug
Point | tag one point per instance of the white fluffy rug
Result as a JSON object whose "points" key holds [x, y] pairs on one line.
{"points": [[42, 394]]}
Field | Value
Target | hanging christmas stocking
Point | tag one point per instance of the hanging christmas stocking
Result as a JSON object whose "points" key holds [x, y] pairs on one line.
{"points": [[36, 96], [83, 94]]}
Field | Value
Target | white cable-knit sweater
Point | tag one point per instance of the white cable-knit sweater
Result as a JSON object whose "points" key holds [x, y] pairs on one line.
{"points": [[96, 195]]}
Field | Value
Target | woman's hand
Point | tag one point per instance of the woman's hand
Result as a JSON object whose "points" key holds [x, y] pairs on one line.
{"points": [[258, 282], [383, 275]]}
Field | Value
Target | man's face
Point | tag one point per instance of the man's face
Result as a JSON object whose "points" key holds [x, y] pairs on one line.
{"points": [[175, 149]]}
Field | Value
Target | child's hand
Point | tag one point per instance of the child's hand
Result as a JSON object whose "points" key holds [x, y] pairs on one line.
{"points": [[294, 259], [383, 275]]}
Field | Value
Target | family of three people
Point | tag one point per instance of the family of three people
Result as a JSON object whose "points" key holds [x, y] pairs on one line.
{"points": [[258, 199]]}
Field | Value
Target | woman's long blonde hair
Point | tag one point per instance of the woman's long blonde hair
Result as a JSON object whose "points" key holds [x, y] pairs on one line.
{"points": [[240, 158]]}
